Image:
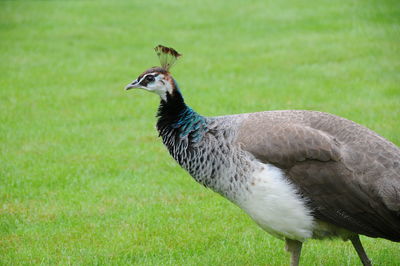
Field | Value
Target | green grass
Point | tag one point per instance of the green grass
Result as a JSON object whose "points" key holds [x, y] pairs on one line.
{"points": [[84, 178]]}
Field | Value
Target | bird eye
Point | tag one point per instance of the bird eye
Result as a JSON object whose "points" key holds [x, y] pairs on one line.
{"points": [[150, 78]]}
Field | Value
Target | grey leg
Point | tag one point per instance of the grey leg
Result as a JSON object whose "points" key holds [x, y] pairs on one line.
{"points": [[355, 240], [294, 247]]}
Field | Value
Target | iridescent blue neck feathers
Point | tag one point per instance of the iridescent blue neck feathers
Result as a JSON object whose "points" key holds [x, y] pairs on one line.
{"points": [[177, 121], [190, 123]]}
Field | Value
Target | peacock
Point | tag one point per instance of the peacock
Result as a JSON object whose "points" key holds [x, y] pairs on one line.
{"points": [[298, 174]]}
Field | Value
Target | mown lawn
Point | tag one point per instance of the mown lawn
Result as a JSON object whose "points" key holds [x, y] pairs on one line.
{"points": [[84, 179]]}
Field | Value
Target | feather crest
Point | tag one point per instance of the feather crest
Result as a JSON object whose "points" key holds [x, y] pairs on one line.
{"points": [[167, 56]]}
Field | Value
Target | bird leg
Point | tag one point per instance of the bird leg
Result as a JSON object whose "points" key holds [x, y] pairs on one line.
{"points": [[294, 247], [355, 240]]}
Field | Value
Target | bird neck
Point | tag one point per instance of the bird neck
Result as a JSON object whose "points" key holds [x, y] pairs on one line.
{"points": [[177, 121]]}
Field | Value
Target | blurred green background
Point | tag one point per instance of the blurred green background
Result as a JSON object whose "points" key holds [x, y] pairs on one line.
{"points": [[84, 179]]}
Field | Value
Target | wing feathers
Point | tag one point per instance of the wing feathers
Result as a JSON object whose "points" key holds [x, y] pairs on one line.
{"points": [[286, 144], [347, 183]]}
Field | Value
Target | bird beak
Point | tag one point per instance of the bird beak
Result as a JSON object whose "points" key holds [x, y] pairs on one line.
{"points": [[132, 85]]}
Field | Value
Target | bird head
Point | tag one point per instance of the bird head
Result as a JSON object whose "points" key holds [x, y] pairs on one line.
{"points": [[158, 79], [155, 79]]}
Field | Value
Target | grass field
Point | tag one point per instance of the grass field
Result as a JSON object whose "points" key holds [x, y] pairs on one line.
{"points": [[84, 179]]}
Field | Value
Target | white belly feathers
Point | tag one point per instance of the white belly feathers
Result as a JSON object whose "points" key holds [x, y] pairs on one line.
{"points": [[275, 205]]}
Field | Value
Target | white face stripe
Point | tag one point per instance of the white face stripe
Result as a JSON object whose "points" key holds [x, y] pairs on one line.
{"points": [[155, 74], [142, 78], [138, 81]]}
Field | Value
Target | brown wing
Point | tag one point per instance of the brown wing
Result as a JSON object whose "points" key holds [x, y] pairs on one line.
{"points": [[345, 182]]}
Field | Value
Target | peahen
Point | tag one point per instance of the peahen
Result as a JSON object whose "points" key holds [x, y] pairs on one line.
{"points": [[298, 174]]}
